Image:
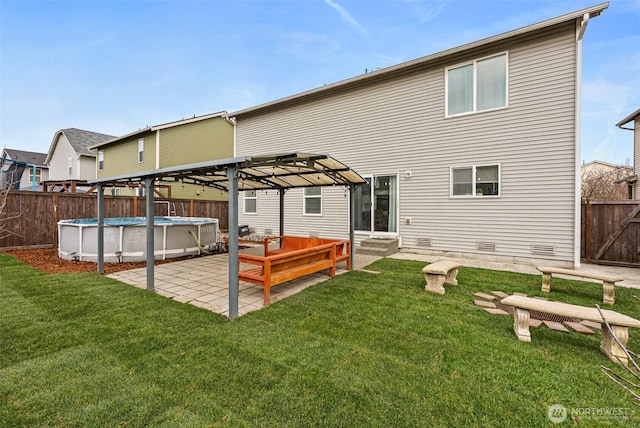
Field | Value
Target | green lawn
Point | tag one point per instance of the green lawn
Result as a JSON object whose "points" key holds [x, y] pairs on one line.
{"points": [[358, 350]]}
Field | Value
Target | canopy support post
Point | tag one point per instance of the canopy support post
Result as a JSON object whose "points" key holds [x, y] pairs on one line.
{"points": [[150, 234], [232, 176], [281, 192], [100, 191], [352, 216]]}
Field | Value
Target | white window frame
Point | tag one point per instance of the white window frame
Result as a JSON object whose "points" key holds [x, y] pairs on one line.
{"points": [[100, 160], [37, 177], [473, 181], [140, 150], [474, 62], [305, 197], [70, 166], [245, 198]]}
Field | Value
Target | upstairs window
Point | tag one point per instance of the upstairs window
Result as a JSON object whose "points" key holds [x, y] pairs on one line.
{"points": [[37, 176], [477, 86], [313, 201], [475, 181], [140, 150], [100, 160], [250, 202], [70, 166]]}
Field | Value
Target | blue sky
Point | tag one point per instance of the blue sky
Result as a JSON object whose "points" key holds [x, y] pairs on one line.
{"points": [[116, 66]]}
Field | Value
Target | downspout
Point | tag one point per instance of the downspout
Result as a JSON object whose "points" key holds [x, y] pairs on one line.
{"points": [[158, 149], [581, 28], [234, 140]]}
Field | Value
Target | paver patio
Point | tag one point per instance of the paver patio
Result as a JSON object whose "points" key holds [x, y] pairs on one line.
{"points": [[204, 282]]}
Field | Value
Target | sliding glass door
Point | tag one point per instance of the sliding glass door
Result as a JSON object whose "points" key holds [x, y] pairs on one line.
{"points": [[377, 204]]}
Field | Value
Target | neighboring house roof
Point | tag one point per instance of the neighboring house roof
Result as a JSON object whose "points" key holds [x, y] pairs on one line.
{"points": [[426, 61], [628, 119], [80, 140], [159, 127], [33, 158], [597, 163]]}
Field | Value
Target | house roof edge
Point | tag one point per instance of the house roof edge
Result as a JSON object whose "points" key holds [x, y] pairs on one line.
{"points": [[592, 11]]}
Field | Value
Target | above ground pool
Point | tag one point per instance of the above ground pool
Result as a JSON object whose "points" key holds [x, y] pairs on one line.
{"points": [[125, 238]]}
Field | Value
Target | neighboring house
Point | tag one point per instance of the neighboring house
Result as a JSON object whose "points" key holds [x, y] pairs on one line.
{"points": [[17, 169], [632, 123], [602, 181], [197, 139], [472, 152], [70, 159]]}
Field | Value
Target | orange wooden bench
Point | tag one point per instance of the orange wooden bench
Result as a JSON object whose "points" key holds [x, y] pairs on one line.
{"points": [[293, 243], [296, 257]]}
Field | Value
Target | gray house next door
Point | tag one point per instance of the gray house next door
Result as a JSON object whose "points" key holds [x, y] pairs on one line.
{"points": [[377, 204]]}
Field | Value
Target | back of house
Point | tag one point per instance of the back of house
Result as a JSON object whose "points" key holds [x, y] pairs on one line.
{"points": [[472, 152]]}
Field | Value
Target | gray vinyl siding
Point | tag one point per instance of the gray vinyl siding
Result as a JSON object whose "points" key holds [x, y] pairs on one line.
{"points": [[87, 167], [399, 125], [333, 223], [58, 166]]}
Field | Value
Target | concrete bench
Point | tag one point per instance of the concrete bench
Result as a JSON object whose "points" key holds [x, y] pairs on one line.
{"points": [[619, 323], [439, 273], [608, 282]]}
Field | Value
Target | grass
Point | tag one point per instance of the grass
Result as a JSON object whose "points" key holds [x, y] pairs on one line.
{"points": [[357, 350]]}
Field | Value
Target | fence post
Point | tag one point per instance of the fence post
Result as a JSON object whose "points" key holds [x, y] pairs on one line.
{"points": [[587, 230], [54, 216]]}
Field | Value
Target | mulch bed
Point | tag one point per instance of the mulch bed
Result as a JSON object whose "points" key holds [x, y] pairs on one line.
{"points": [[47, 261]]}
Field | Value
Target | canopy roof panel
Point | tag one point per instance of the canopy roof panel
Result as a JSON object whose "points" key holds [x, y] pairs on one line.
{"points": [[274, 171]]}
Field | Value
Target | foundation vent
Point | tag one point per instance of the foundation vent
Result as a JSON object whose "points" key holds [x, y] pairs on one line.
{"points": [[485, 246], [424, 242], [543, 249]]}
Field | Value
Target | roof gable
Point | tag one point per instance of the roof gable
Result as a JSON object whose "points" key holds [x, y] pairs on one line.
{"points": [[82, 140], [33, 158]]}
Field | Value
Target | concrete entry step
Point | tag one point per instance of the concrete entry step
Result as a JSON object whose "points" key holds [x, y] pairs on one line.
{"points": [[378, 247]]}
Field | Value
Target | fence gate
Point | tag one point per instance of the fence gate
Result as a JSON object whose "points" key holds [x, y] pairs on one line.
{"points": [[611, 233]]}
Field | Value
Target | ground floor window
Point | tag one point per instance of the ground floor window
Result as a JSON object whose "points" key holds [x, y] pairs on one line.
{"points": [[475, 181], [313, 201], [250, 202]]}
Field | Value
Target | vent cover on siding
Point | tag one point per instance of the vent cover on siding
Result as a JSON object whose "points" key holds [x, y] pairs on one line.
{"points": [[486, 246], [268, 231], [424, 242], [543, 249]]}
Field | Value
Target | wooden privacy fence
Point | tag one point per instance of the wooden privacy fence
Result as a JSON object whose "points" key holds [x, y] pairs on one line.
{"points": [[31, 218], [611, 233]]}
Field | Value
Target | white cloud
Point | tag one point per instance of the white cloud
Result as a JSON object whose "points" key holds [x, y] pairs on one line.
{"points": [[346, 17], [427, 11], [604, 104]]}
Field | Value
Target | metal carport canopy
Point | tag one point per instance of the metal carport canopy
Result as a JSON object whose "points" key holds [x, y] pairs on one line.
{"points": [[272, 171]]}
